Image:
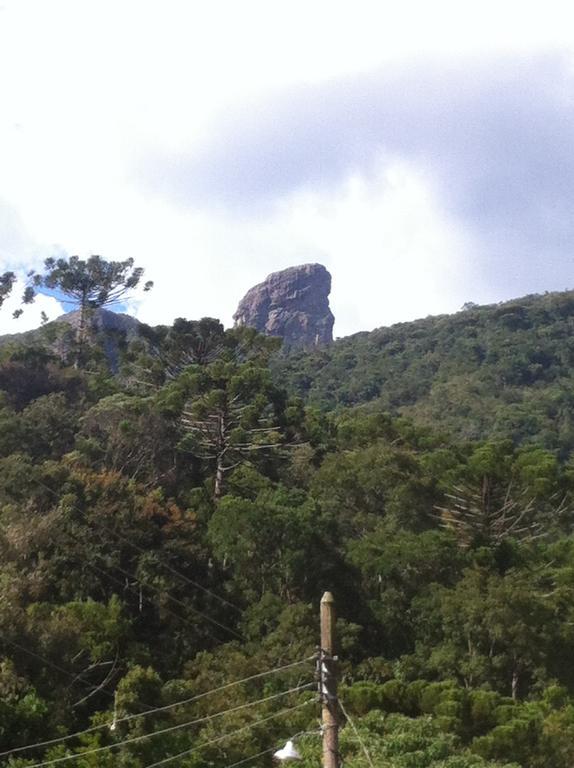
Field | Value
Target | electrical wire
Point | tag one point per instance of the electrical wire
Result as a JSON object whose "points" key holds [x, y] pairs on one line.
{"points": [[203, 615], [94, 688], [171, 728], [133, 588], [266, 751], [174, 599], [227, 735], [161, 593], [84, 683], [154, 710], [252, 757], [170, 568], [88, 686], [49, 663], [74, 677], [182, 604], [357, 734]]}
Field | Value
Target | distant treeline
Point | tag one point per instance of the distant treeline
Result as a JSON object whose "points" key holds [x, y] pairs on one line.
{"points": [[495, 371]]}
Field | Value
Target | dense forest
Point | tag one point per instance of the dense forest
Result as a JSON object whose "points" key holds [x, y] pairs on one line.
{"points": [[167, 531], [503, 371]]}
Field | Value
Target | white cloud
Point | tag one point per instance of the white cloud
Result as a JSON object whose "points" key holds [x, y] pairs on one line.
{"points": [[32, 314], [390, 248], [87, 88]]}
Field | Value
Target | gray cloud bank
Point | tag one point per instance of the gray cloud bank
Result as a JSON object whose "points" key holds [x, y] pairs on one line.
{"points": [[496, 138]]}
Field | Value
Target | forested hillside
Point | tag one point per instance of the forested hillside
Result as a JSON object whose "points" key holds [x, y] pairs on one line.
{"points": [[166, 534], [493, 371]]}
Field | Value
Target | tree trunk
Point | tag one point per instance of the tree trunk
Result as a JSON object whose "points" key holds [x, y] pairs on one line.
{"points": [[515, 681], [222, 449], [219, 475], [80, 335]]}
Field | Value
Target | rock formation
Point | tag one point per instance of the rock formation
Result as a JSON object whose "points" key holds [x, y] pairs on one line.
{"points": [[102, 321], [109, 329], [292, 304]]}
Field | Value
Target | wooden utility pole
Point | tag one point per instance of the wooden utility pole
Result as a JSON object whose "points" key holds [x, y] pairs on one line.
{"points": [[328, 678]]}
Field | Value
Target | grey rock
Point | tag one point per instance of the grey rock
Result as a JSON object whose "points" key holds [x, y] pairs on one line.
{"points": [[292, 304], [110, 328], [102, 320]]}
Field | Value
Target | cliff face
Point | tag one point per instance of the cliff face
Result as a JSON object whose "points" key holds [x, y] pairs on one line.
{"points": [[292, 304]]}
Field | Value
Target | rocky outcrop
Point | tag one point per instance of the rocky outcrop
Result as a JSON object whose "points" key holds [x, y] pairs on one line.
{"points": [[102, 321], [111, 330], [292, 304]]}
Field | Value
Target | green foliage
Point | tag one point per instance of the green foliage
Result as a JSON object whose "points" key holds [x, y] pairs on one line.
{"points": [[22, 711], [495, 371], [7, 282], [396, 740], [91, 283], [230, 414], [276, 541], [126, 582]]}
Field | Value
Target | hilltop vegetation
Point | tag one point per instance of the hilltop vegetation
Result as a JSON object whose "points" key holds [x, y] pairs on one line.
{"points": [[170, 529], [494, 371]]}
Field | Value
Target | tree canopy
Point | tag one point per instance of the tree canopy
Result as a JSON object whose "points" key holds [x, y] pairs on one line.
{"points": [[128, 584], [93, 282]]}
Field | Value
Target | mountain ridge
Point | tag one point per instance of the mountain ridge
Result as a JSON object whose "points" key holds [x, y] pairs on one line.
{"points": [[505, 369], [468, 307], [502, 370]]}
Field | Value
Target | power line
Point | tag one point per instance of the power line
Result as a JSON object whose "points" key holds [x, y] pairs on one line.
{"points": [[203, 615], [131, 576], [88, 686], [170, 729], [57, 667], [71, 675], [135, 546], [94, 688], [165, 593], [189, 581], [182, 604], [133, 589], [252, 757], [357, 734], [109, 575], [226, 735], [154, 710], [264, 751]]}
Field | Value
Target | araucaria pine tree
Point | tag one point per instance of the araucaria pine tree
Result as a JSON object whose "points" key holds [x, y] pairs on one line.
{"points": [[90, 284]]}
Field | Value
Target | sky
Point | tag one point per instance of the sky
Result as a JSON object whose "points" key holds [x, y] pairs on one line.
{"points": [[423, 152]]}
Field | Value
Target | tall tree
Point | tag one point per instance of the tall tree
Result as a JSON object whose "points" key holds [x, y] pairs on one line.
{"points": [[188, 342], [90, 284], [504, 495], [481, 515], [230, 416]]}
